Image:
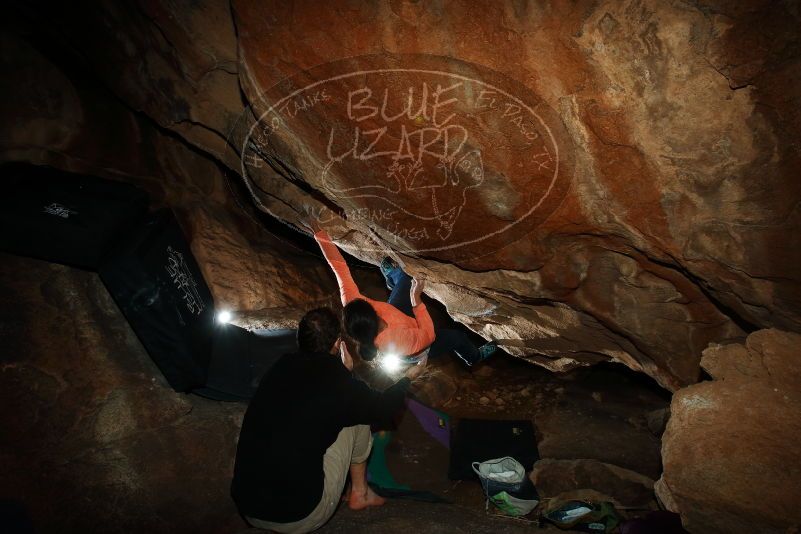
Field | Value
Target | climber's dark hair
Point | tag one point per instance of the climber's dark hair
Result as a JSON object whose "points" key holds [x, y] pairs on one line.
{"points": [[361, 324], [318, 330]]}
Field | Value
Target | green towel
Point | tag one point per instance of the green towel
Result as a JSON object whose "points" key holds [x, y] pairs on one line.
{"points": [[377, 466]]}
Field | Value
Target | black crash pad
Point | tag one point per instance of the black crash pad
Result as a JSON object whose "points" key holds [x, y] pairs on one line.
{"points": [[63, 217], [479, 440], [158, 286]]}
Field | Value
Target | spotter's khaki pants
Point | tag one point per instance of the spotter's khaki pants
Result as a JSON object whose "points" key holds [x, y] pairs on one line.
{"points": [[352, 446]]}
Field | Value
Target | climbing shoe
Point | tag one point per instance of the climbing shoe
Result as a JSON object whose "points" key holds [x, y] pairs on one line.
{"points": [[387, 266], [485, 351]]}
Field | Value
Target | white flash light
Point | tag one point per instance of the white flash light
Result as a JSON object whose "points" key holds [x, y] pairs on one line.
{"points": [[224, 316], [391, 363]]}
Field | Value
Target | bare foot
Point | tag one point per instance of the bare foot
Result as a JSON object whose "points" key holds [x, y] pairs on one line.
{"points": [[361, 500]]}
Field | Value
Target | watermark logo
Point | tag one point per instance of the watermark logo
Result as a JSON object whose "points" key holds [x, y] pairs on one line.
{"points": [[185, 283], [58, 210], [436, 156]]}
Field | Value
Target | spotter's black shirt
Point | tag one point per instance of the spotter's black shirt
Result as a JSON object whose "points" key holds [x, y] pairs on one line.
{"points": [[296, 414]]}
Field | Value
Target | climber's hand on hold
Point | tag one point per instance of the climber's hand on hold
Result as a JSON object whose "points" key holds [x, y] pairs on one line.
{"points": [[418, 285], [311, 222], [415, 371]]}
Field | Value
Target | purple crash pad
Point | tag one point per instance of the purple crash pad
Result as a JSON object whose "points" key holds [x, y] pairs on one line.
{"points": [[436, 424]]}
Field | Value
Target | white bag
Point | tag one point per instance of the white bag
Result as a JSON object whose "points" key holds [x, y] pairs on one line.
{"points": [[500, 474], [502, 479]]}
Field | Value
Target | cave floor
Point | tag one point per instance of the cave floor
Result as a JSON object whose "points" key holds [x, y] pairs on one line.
{"points": [[402, 516]]}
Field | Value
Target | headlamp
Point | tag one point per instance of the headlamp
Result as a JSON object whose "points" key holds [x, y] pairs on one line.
{"points": [[390, 362]]}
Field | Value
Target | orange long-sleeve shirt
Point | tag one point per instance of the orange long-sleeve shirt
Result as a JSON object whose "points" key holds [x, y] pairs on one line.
{"points": [[403, 335]]}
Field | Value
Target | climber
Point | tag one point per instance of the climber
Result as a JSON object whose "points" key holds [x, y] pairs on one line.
{"points": [[401, 326], [306, 428]]}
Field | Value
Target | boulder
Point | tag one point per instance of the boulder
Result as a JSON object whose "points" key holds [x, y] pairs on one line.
{"points": [[93, 438], [730, 464]]}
